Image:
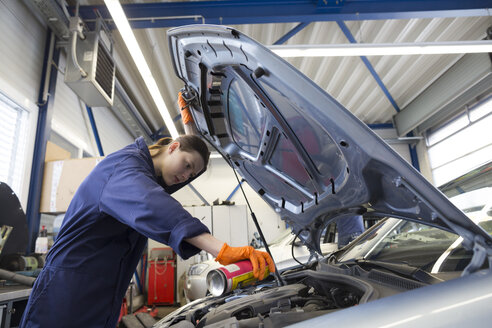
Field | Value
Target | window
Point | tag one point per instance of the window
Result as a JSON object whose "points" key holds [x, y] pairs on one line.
{"points": [[462, 144], [13, 135]]}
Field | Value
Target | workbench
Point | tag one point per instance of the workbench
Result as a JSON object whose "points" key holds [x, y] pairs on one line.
{"points": [[13, 301]]}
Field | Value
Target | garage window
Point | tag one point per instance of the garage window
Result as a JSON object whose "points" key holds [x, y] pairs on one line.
{"points": [[13, 135], [461, 144]]}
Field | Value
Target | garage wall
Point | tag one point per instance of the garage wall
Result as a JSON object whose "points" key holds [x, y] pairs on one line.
{"points": [[112, 133], [22, 40], [424, 163], [21, 55]]}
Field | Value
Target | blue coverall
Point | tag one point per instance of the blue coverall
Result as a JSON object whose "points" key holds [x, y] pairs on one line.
{"points": [[349, 227], [116, 208]]}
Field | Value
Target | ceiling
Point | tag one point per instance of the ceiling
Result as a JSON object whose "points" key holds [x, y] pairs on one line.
{"points": [[373, 88]]}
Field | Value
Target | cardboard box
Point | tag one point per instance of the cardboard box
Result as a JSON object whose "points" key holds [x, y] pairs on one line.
{"points": [[60, 181], [55, 152]]}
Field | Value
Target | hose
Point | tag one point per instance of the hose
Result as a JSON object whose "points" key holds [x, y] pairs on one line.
{"points": [[19, 278]]}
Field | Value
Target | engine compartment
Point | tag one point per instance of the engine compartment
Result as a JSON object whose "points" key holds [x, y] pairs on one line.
{"points": [[304, 295]]}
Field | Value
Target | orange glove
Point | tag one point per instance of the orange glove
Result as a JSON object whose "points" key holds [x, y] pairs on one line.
{"points": [[229, 255], [185, 109]]}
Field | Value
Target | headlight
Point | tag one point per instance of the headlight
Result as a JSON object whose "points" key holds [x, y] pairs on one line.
{"points": [[197, 269]]}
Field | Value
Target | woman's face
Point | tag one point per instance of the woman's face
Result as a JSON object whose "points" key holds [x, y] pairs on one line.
{"points": [[178, 166]]}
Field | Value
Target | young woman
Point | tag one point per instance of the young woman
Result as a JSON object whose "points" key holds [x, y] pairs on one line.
{"points": [[124, 200]]}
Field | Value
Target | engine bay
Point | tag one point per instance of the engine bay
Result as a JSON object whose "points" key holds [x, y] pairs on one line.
{"points": [[306, 293]]}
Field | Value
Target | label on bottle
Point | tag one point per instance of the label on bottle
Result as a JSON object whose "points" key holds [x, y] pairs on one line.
{"points": [[41, 245]]}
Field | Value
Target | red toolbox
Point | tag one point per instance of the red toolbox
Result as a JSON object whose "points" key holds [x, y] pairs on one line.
{"points": [[161, 283]]}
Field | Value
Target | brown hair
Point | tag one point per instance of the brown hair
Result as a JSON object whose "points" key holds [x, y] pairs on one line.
{"points": [[187, 143]]}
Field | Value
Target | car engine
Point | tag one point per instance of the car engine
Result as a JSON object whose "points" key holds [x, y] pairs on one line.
{"points": [[304, 295]]}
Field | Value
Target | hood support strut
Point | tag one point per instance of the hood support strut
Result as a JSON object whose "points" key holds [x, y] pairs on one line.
{"points": [[253, 216]]}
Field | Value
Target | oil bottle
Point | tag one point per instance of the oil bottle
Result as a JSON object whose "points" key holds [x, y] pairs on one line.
{"points": [[227, 278]]}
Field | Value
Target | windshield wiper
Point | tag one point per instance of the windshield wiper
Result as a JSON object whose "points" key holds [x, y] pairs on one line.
{"points": [[401, 269]]}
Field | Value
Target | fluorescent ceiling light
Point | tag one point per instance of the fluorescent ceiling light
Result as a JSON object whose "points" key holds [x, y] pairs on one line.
{"points": [[123, 26], [215, 154], [382, 49]]}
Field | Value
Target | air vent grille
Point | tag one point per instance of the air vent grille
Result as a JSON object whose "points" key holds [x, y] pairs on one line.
{"points": [[97, 88], [394, 281], [105, 71]]}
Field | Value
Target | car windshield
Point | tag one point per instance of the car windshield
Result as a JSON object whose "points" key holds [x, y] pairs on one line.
{"points": [[280, 238], [421, 246]]}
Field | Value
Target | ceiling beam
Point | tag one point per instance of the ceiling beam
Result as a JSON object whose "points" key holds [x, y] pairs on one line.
{"points": [[291, 33], [234, 12]]}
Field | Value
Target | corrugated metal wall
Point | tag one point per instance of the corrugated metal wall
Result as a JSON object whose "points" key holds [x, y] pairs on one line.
{"points": [[22, 41]]}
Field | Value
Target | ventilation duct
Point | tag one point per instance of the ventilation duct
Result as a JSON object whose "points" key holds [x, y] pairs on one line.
{"points": [[90, 70], [54, 15]]}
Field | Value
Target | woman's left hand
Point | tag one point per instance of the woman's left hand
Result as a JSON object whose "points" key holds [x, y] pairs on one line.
{"points": [[185, 109]]}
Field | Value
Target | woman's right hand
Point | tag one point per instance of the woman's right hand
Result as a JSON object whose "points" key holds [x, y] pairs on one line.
{"points": [[259, 259]]}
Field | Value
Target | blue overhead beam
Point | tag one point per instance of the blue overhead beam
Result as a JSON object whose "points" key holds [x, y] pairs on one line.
{"points": [[198, 194], [291, 33], [234, 12], [235, 189], [376, 126], [413, 154]]}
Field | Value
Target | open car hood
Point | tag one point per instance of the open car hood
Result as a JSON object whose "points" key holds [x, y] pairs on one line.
{"points": [[297, 147]]}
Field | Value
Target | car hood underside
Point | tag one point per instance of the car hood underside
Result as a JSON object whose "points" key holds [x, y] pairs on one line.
{"points": [[306, 155]]}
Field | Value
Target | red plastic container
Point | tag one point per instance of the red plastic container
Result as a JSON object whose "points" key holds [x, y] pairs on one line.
{"points": [[161, 284]]}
